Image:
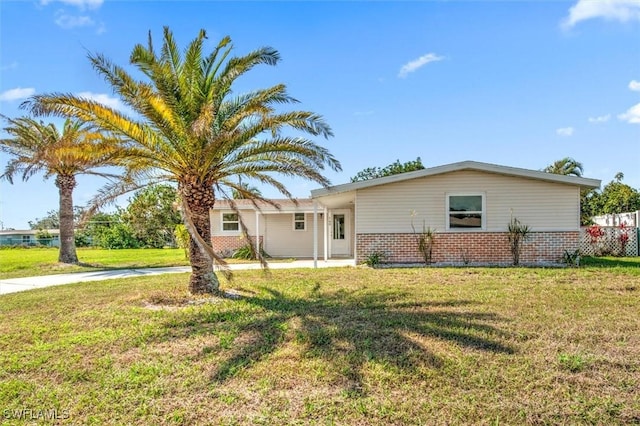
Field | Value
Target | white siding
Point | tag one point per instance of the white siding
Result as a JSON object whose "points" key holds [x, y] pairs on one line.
{"points": [[279, 238], [544, 206], [282, 241], [248, 218]]}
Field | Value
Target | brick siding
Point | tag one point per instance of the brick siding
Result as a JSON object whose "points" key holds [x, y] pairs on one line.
{"points": [[468, 247], [227, 244]]}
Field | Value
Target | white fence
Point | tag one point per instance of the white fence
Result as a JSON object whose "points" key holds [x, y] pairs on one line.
{"points": [[631, 219], [609, 241]]}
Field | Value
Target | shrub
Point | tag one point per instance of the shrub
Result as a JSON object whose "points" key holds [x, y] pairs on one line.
{"points": [[43, 237], [518, 233], [374, 259], [183, 239], [571, 258], [426, 240], [623, 238], [247, 252], [118, 236], [82, 239]]}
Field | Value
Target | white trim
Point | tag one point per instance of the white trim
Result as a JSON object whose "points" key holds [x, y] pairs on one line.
{"points": [[304, 221], [222, 222], [483, 212], [347, 231], [355, 227], [325, 217], [257, 242], [315, 234]]}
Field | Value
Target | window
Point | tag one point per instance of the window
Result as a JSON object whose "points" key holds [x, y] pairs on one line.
{"points": [[465, 211], [338, 227], [299, 222], [230, 222], [26, 239]]}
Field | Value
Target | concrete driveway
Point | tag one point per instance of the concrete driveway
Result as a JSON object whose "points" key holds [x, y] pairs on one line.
{"points": [[13, 285]]}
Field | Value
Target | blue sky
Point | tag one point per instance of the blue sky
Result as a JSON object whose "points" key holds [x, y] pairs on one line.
{"points": [[515, 83]]}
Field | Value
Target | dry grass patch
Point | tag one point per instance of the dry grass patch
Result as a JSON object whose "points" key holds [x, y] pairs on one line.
{"points": [[334, 346]]}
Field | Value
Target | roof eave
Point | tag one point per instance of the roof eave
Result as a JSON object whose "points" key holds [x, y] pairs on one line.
{"points": [[464, 165]]}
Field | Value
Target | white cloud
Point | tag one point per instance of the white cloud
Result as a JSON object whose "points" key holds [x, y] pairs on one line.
{"points": [[105, 99], [81, 4], [66, 21], [632, 115], [564, 131], [611, 10], [17, 93], [634, 85], [600, 119], [418, 63]]}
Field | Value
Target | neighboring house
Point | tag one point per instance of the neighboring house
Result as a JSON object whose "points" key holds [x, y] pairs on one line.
{"points": [[29, 237], [469, 204]]}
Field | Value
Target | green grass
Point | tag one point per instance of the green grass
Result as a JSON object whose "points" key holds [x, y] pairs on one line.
{"points": [[21, 262], [36, 261], [610, 261], [331, 346]]}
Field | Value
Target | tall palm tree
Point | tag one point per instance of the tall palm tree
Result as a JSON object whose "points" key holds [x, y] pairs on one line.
{"points": [[191, 129], [35, 146], [247, 191], [566, 166]]}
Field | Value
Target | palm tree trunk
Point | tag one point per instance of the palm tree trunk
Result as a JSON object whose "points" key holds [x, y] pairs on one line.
{"points": [[66, 184], [199, 199]]}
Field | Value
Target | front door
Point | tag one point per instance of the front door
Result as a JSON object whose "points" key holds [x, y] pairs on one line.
{"points": [[340, 233]]}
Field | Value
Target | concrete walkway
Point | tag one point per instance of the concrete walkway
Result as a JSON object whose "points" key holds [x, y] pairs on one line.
{"points": [[12, 285]]}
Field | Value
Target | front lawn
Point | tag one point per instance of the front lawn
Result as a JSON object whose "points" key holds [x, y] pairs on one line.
{"points": [[330, 346], [35, 261]]}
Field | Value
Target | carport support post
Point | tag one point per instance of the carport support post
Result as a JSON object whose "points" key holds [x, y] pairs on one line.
{"points": [[315, 234], [257, 234], [325, 223]]}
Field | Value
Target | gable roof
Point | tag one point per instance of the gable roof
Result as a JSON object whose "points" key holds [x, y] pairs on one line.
{"points": [[454, 167]]}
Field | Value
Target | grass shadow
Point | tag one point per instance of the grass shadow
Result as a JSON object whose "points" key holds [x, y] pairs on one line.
{"points": [[345, 329], [611, 262]]}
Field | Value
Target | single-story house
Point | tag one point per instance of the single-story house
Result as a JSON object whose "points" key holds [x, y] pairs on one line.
{"points": [[469, 205], [29, 237]]}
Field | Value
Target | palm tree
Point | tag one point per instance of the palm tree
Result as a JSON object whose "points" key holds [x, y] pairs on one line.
{"points": [[191, 129], [566, 166], [78, 149], [245, 192]]}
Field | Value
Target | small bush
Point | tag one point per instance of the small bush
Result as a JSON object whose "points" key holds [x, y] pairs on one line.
{"points": [[518, 233], [82, 239], [43, 237], [571, 258], [183, 239], [425, 240], [374, 259], [247, 252]]}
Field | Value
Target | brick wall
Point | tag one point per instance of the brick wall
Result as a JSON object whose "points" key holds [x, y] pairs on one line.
{"points": [[471, 247], [227, 244]]}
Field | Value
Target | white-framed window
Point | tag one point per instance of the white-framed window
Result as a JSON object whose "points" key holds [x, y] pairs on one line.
{"points": [[299, 222], [466, 211], [230, 222]]}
